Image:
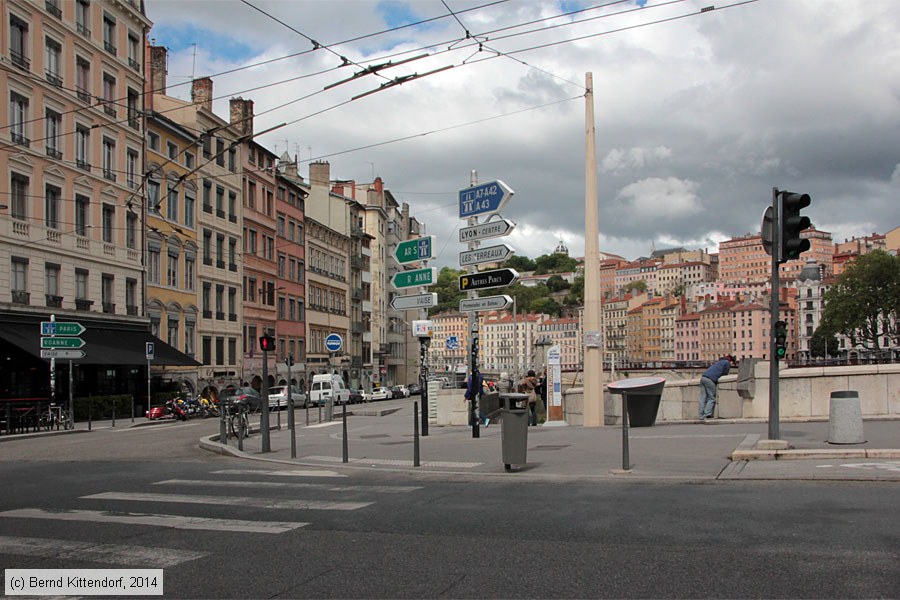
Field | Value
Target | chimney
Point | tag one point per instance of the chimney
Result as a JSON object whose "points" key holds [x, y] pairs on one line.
{"points": [[201, 92], [241, 113], [158, 69], [319, 173]]}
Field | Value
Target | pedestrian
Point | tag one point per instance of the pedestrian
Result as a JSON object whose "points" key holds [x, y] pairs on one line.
{"points": [[708, 382], [529, 385], [473, 390]]}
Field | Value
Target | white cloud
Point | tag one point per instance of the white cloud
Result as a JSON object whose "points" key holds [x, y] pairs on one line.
{"points": [[660, 198], [619, 160]]}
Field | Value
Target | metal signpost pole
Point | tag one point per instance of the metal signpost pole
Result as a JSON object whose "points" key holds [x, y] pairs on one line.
{"points": [[774, 423], [289, 361], [71, 400], [423, 379], [473, 321], [264, 404], [53, 368]]}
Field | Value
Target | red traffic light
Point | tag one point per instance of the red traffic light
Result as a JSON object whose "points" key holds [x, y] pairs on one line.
{"points": [[267, 343]]}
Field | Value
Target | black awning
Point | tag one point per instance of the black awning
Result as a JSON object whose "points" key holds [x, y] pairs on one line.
{"points": [[105, 344]]}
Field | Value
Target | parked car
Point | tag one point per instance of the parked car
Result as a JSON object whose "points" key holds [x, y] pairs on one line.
{"points": [[278, 397], [358, 396], [400, 391], [247, 394], [381, 393], [415, 389], [325, 387]]}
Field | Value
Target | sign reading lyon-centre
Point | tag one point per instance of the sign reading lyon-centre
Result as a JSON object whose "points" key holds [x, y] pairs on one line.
{"points": [[405, 279], [495, 228], [485, 199], [487, 279]]}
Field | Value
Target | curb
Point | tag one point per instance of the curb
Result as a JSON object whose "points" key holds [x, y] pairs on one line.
{"points": [[741, 454]]}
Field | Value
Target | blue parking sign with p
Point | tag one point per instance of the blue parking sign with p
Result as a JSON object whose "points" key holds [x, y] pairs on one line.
{"points": [[150, 350]]}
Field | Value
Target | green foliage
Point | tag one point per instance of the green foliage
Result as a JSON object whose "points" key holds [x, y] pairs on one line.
{"points": [[864, 304], [447, 288], [101, 407], [557, 283], [554, 263], [823, 344], [519, 263], [547, 306], [640, 285], [575, 296]]}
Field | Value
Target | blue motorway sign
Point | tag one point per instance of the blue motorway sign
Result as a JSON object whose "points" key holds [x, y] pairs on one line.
{"points": [[485, 199], [334, 342], [452, 343]]}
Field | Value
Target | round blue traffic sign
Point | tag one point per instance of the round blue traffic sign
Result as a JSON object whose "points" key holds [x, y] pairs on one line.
{"points": [[333, 342]]}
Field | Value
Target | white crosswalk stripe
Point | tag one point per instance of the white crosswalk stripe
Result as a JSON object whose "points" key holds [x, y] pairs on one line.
{"points": [[170, 521], [377, 489], [112, 554], [395, 462], [293, 473], [255, 502]]}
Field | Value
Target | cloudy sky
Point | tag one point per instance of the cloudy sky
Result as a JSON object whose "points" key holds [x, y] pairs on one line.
{"points": [[698, 114]]}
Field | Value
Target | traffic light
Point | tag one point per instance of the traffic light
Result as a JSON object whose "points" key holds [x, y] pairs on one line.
{"points": [[791, 224], [780, 340], [267, 343], [289, 361]]}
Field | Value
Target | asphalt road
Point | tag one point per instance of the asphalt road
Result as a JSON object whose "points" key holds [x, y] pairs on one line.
{"points": [[232, 529]]}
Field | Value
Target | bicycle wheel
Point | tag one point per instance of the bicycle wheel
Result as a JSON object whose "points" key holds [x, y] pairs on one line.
{"points": [[65, 421], [47, 420], [245, 425], [233, 426]]}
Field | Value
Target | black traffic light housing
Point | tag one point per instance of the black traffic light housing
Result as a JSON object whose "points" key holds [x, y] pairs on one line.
{"points": [[780, 340], [267, 343], [791, 223]]}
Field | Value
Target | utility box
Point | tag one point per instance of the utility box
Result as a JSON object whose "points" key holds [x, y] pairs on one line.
{"points": [[746, 382]]}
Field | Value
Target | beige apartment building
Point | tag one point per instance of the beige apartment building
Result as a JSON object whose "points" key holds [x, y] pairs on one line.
{"points": [[641, 270], [687, 338], [743, 260], [679, 276], [716, 331], [449, 342], [565, 333]]}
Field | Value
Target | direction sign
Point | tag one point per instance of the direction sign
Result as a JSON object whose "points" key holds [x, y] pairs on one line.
{"points": [[61, 328], [405, 279], [334, 342], [411, 302], [418, 249], [487, 279], [496, 228], [484, 303], [62, 354], [452, 343], [485, 199], [61, 342], [483, 255]]}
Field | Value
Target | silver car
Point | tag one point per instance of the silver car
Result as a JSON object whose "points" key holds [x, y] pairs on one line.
{"points": [[278, 397]]}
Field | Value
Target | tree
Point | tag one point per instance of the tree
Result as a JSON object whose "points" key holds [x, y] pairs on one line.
{"points": [[447, 288], [822, 344], [547, 306], [554, 263], [864, 304], [519, 263], [640, 285], [557, 283], [576, 292]]}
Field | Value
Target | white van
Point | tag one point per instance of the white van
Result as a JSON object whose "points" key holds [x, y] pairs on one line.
{"points": [[327, 386]]}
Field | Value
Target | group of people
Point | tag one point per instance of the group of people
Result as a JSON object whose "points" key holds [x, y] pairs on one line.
{"points": [[531, 384]]}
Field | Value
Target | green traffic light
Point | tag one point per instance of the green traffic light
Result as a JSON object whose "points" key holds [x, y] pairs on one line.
{"points": [[780, 352]]}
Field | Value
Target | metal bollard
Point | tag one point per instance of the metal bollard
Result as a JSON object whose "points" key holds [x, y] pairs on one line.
{"points": [[346, 454], [292, 425], [90, 410], [132, 409], [115, 402], [416, 434]]}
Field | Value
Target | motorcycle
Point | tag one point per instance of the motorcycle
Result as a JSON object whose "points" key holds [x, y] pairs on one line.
{"points": [[208, 408], [170, 410]]}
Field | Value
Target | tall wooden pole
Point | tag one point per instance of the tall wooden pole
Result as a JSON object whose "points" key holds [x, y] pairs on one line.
{"points": [[593, 352]]}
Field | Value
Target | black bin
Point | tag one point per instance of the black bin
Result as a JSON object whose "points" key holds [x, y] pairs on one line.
{"points": [[642, 396]]}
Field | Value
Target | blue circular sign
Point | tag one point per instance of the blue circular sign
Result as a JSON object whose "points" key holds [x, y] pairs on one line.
{"points": [[333, 342]]}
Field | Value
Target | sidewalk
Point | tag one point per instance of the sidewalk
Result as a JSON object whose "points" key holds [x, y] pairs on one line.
{"points": [[380, 437]]}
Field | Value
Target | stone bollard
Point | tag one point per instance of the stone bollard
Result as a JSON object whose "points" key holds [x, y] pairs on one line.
{"points": [[845, 418]]}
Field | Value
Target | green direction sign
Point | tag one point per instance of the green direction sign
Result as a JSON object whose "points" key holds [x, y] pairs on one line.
{"points": [[415, 250], [61, 342], [418, 277], [61, 328]]}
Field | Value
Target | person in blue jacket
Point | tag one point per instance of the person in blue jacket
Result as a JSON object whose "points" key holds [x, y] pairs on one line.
{"points": [[708, 382], [474, 389]]}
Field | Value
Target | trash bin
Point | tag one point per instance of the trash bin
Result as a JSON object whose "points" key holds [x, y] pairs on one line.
{"points": [[513, 429], [642, 395], [845, 424]]}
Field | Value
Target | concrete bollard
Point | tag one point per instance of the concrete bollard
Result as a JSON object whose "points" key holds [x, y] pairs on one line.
{"points": [[845, 418]]}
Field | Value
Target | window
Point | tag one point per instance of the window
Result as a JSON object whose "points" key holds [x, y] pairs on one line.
{"points": [[18, 116], [207, 145], [232, 254], [172, 204], [19, 193], [53, 124], [153, 141], [82, 144], [172, 333], [51, 207], [172, 150], [153, 196], [232, 304], [83, 79], [189, 273], [81, 284], [131, 162], [52, 52], [232, 201], [131, 230], [220, 251], [109, 159], [189, 203], [207, 350], [107, 293], [51, 279], [220, 199], [133, 46], [109, 94], [281, 305], [109, 34], [172, 270], [109, 218], [220, 153], [53, 8], [19, 273], [131, 296], [220, 302], [205, 300], [251, 195], [153, 265], [133, 109], [280, 228], [207, 247], [207, 196], [18, 42], [189, 160], [220, 351], [232, 153], [232, 351], [83, 17], [189, 338]]}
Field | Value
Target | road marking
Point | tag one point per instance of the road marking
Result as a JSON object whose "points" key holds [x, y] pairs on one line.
{"points": [[294, 473], [171, 521], [113, 554], [230, 501], [382, 489], [678, 437], [326, 424], [396, 463], [886, 466]]}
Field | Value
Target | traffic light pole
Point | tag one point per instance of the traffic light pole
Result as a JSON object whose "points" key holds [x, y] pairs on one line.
{"points": [[424, 342], [264, 405], [774, 421]]}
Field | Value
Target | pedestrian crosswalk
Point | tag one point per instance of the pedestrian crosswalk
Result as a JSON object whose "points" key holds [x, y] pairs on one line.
{"points": [[277, 493]]}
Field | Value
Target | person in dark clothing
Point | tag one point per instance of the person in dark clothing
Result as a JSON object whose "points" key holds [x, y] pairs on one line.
{"points": [[473, 391], [708, 382]]}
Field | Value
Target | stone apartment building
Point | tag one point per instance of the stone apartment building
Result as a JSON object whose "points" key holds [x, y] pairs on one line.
{"points": [[449, 342], [687, 338], [565, 333]]}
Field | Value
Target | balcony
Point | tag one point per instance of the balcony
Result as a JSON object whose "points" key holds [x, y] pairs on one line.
{"points": [[357, 327], [232, 317], [134, 64], [131, 310], [83, 94], [83, 165], [207, 261], [232, 267], [109, 174], [220, 213], [356, 294], [109, 109], [19, 60], [207, 314], [54, 153], [207, 208], [232, 218], [357, 231], [20, 297], [54, 79], [357, 262], [109, 307], [53, 9], [220, 316], [83, 30], [220, 264], [54, 301], [83, 304], [108, 46], [134, 123]]}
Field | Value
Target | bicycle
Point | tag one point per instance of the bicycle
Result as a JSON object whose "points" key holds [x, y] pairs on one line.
{"points": [[56, 416], [239, 420]]}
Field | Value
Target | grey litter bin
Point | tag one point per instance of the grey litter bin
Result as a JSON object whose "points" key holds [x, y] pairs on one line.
{"points": [[845, 424], [642, 396], [514, 429]]}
